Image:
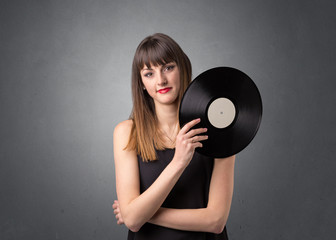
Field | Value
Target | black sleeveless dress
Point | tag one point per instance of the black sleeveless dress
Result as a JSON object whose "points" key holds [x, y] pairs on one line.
{"points": [[191, 191]]}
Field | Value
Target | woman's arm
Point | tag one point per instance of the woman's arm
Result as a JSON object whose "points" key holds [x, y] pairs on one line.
{"points": [[135, 208], [212, 218]]}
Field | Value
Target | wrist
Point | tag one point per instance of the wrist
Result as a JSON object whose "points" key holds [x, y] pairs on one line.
{"points": [[178, 163]]}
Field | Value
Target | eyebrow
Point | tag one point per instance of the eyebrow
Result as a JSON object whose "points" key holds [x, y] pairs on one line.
{"points": [[144, 69]]}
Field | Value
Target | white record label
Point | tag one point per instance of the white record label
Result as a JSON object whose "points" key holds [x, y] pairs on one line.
{"points": [[221, 112]]}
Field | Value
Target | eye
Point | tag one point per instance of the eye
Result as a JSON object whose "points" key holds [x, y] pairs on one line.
{"points": [[169, 67], [148, 74]]}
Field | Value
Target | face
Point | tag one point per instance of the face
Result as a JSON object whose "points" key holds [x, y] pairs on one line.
{"points": [[162, 82]]}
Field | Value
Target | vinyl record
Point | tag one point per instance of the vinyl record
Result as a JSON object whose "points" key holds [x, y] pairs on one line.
{"points": [[229, 105]]}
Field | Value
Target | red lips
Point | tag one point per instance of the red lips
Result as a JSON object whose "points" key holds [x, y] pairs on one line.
{"points": [[164, 90]]}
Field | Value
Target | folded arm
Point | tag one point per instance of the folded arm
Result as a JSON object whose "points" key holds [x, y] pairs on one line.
{"points": [[136, 209], [212, 218]]}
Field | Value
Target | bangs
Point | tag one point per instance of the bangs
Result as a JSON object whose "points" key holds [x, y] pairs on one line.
{"points": [[154, 53]]}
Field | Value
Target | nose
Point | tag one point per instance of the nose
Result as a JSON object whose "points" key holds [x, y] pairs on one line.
{"points": [[161, 80]]}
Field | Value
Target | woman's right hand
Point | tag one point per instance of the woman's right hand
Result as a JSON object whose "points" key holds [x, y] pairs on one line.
{"points": [[187, 141]]}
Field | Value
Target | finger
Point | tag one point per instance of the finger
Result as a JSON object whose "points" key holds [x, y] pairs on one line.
{"points": [[120, 221], [189, 125], [196, 131], [115, 206], [197, 145], [196, 139]]}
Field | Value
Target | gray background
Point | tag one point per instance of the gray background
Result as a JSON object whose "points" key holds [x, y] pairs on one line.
{"points": [[65, 84]]}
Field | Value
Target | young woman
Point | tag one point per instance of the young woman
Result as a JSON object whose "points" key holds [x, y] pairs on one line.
{"points": [[165, 189]]}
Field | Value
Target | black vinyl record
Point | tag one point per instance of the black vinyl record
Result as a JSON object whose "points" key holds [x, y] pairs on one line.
{"points": [[229, 105]]}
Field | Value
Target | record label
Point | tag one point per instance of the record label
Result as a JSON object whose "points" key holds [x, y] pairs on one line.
{"points": [[221, 112], [229, 105]]}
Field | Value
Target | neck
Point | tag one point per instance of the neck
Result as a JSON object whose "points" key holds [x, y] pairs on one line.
{"points": [[167, 116]]}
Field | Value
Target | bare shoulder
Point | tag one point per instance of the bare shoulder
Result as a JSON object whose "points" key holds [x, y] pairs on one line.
{"points": [[121, 134], [123, 128], [123, 157]]}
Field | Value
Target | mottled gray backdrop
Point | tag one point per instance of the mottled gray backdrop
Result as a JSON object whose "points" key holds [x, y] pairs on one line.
{"points": [[65, 84]]}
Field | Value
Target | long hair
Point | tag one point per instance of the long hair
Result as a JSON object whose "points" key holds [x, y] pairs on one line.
{"points": [[157, 49]]}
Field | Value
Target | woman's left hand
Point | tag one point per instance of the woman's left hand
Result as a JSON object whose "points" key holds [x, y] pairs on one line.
{"points": [[117, 213]]}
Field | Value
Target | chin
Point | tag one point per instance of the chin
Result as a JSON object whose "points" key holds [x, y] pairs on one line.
{"points": [[168, 102]]}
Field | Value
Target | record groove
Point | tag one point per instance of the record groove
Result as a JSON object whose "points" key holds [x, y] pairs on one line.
{"points": [[210, 96]]}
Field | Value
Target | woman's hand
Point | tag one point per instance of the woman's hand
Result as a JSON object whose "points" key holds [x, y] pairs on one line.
{"points": [[117, 213], [187, 140]]}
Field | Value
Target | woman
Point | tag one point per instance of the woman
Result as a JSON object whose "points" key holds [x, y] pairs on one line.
{"points": [[165, 189]]}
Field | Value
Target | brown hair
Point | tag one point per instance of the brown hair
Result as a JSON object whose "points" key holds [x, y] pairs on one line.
{"points": [[157, 49]]}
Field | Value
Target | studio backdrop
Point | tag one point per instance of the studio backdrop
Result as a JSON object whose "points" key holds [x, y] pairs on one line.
{"points": [[65, 71]]}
